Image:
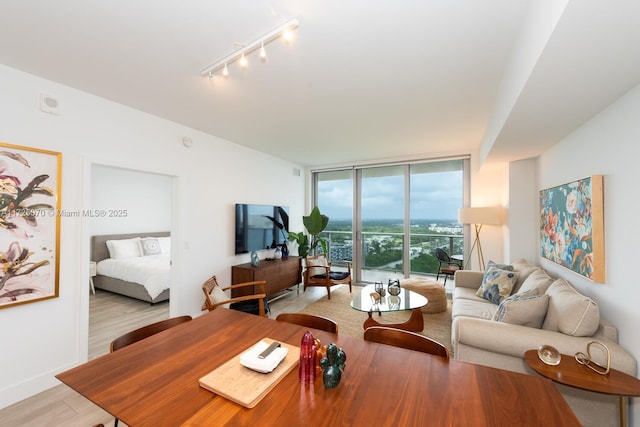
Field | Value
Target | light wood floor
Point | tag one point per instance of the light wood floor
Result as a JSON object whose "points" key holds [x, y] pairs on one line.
{"points": [[110, 316]]}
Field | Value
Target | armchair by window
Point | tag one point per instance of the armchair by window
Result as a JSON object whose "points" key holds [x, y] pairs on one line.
{"points": [[318, 273]]}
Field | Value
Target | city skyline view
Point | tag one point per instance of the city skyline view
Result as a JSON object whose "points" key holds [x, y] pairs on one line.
{"points": [[434, 196]]}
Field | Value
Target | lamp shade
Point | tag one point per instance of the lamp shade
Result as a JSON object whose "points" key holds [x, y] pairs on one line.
{"points": [[485, 215]]}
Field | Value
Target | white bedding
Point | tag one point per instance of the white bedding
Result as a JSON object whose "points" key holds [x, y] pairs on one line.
{"points": [[151, 271]]}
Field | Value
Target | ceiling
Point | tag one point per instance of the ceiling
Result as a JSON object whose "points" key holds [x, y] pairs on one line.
{"points": [[363, 80]]}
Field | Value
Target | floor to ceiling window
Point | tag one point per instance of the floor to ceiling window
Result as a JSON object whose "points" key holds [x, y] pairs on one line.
{"points": [[388, 220]]}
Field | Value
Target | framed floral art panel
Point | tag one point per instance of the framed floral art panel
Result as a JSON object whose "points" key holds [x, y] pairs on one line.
{"points": [[572, 226], [30, 182]]}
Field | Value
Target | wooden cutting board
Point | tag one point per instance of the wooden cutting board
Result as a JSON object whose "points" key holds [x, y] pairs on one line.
{"points": [[244, 386]]}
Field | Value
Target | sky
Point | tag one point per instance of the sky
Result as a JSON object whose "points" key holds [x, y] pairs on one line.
{"points": [[433, 196]]}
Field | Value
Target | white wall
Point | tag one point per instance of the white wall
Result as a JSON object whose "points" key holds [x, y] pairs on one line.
{"points": [[44, 338], [607, 145], [522, 213], [133, 201], [487, 186]]}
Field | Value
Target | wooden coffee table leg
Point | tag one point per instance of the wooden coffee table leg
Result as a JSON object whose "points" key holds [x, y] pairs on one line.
{"points": [[415, 323]]}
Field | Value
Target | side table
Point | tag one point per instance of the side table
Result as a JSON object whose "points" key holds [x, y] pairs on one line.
{"points": [[92, 274], [569, 372]]}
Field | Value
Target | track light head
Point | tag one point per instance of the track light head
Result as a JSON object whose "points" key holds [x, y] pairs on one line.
{"points": [[263, 52], [283, 31], [287, 35]]}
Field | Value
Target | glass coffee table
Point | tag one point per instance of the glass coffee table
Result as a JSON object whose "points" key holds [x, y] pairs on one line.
{"points": [[370, 301]]}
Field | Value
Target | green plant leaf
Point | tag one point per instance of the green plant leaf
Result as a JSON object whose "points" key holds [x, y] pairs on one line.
{"points": [[316, 222]]}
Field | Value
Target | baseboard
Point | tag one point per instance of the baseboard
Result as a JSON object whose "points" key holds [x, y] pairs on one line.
{"points": [[31, 387]]}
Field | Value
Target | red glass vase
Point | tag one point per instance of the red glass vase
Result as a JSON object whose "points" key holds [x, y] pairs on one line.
{"points": [[307, 367]]}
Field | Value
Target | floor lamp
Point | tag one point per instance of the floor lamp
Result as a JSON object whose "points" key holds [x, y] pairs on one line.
{"points": [[479, 217]]}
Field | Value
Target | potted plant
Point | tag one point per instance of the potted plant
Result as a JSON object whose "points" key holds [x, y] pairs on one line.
{"points": [[308, 242], [282, 226]]}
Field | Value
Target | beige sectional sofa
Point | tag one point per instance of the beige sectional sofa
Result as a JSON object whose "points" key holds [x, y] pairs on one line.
{"points": [[540, 310]]}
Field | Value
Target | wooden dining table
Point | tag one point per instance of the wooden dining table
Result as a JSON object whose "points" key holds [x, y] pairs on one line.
{"points": [[155, 382]]}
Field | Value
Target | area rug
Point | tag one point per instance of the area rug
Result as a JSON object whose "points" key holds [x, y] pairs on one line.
{"points": [[437, 326]]}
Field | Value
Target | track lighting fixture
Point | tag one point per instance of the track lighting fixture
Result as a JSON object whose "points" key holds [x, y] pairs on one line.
{"points": [[263, 53], [283, 31]]}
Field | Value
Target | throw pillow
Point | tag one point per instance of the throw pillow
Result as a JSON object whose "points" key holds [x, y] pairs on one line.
{"points": [[124, 248], [218, 295], [496, 284], [570, 312], [150, 246], [500, 266], [524, 269], [525, 309], [320, 261], [539, 280]]}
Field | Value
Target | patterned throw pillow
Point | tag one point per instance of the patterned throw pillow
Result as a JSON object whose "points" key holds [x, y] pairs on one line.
{"points": [[150, 246], [500, 266], [526, 309], [497, 284]]}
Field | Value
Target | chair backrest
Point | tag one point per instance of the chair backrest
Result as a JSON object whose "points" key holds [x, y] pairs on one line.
{"points": [[146, 331], [316, 264], [442, 256], [405, 339], [207, 288], [310, 321]]}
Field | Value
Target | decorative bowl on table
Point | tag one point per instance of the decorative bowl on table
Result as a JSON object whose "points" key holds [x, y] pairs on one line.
{"points": [[549, 355]]}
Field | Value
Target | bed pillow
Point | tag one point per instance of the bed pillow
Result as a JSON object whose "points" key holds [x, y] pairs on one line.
{"points": [[124, 248], [165, 245], [150, 246], [497, 284]]}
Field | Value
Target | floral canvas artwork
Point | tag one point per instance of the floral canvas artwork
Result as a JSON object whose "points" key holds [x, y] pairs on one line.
{"points": [[571, 226], [29, 224]]}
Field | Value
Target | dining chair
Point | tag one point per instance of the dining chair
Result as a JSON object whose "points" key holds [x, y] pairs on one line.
{"points": [[310, 321], [318, 273], [255, 302], [447, 266], [145, 332], [405, 339]]}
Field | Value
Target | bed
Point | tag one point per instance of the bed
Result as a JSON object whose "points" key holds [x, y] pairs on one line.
{"points": [[144, 276]]}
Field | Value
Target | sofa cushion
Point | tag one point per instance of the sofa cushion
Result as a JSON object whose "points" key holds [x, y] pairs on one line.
{"points": [[524, 269], [570, 312], [538, 279], [482, 309], [467, 293], [497, 284], [526, 308]]}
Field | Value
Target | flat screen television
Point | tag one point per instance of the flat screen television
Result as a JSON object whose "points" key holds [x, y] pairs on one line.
{"points": [[255, 230]]}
